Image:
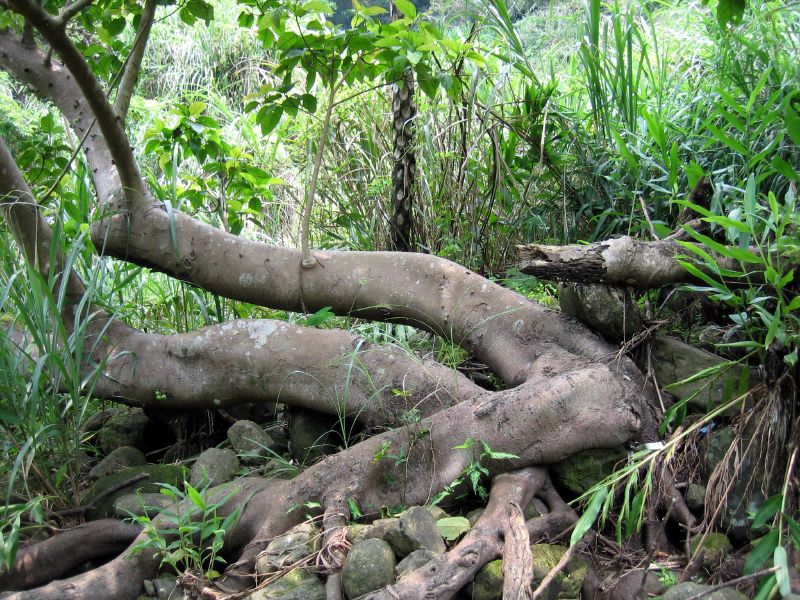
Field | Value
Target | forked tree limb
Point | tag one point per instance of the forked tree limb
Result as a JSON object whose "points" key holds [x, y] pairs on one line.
{"points": [[133, 63], [622, 260], [51, 80], [53, 31]]}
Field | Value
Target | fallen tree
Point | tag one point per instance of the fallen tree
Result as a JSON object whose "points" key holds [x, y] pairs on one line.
{"points": [[568, 389]]}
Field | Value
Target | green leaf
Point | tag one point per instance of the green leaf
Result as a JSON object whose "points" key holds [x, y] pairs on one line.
{"points": [[791, 117], [201, 10], [451, 528], [589, 516], [762, 550], [195, 497], [768, 509], [407, 8], [780, 560], [730, 11], [319, 317]]}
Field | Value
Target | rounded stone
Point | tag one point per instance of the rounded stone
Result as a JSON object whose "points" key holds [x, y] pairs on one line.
{"points": [[214, 466], [250, 442], [369, 566], [125, 456]]}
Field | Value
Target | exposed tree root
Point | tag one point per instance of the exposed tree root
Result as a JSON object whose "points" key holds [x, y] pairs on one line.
{"points": [[444, 576], [48, 560]]}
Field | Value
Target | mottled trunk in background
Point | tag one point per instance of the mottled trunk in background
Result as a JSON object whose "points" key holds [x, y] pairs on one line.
{"points": [[405, 163]]}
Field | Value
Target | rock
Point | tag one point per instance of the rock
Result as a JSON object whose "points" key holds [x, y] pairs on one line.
{"points": [[582, 470], [437, 512], [250, 442], [674, 360], [609, 310], [298, 584], [97, 420], [125, 456], [149, 588], [473, 516], [137, 505], [488, 583], [125, 428], [715, 547], [369, 566], [279, 469], [214, 466], [695, 497], [745, 493], [683, 591], [416, 530], [104, 507], [569, 582], [413, 561], [311, 434], [287, 549], [632, 585], [167, 588], [355, 533], [379, 529]]}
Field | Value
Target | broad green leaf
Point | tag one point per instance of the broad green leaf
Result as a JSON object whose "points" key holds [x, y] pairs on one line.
{"points": [[780, 560], [589, 516], [730, 11], [791, 117], [762, 550], [768, 509], [451, 528], [407, 8], [195, 497]]}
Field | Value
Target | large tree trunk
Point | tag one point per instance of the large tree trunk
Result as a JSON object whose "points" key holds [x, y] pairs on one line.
{"points": [[569, 390]]}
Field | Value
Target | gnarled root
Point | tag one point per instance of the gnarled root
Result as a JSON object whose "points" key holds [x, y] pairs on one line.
{"points": [[47, 560]]}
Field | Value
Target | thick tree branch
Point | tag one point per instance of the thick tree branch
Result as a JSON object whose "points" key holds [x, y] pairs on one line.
{"points": [[133, 64], [329, 371], [515, 337], [622, 260], [53, 31], [50, 80], [71, 10], [20, 210]]}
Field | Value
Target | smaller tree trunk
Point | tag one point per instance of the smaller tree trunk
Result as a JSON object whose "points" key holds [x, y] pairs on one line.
{"points": [[623, 260], [405, 163]]}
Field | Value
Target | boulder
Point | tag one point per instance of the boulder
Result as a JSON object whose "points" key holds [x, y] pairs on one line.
{"points": [[167, 588], [715, 548], [369, 566], [143, 504], [488, 583], [695, 497], [609, 310], [568, 582], [683, 591], [250, 442], [579, 472], [674, 360], [125, 428], [297, 543], [155, 474], [124, 456], [416, 530], [413, 561], [298, 584], [214, 466]]}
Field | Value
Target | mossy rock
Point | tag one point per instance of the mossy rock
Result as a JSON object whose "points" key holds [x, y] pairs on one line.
{"points": [[171, 474], [298, 584], [488, 583], [582, 470], [569, 581], [716, 546]]}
